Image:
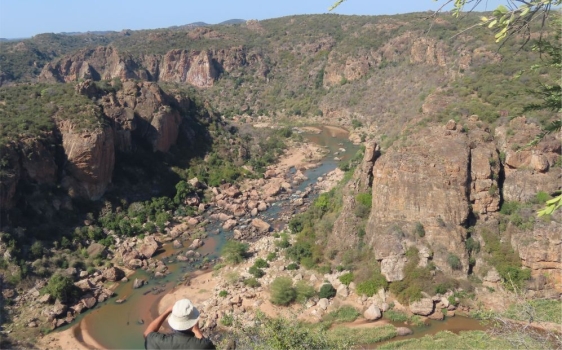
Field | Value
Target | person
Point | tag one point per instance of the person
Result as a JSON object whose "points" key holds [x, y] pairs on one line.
{"points": [[184, 320]]}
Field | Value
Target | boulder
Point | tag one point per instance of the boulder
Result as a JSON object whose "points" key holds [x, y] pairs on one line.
{"points": [[342, 291], [149, 247], [254, 212], [229, 224], [113, 274], [423, 307], [437, 315], [372, 313], [89, 301], [138, 283], [261, 225], [45, 299], [78, 308], [177, 244], [262, 206], [403, 331], [323, 303], [59, 308], [134, 263], [84, 285], [196, 244], [194, 221], [96, 249]]}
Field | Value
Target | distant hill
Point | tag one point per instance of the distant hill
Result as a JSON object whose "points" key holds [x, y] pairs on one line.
{"points": [[233, 21]]}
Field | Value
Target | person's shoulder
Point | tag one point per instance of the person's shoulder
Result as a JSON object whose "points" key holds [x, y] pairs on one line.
{"points": [[203, 343], [157, 340]]}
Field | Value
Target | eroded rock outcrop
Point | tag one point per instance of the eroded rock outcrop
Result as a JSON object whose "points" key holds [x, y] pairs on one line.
{"points": [[90, 160], [345, 226], [425, 182]]}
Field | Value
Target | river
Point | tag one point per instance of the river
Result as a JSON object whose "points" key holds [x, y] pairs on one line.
{"points": [[120, 326]]}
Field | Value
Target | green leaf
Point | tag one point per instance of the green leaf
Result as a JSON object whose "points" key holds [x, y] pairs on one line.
{"points": [[493, 23]]}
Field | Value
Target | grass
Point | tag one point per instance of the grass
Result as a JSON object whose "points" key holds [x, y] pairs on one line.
{"points": [[363, 336], [343, 314], [545, 311], [396, 316], [448, 340]]}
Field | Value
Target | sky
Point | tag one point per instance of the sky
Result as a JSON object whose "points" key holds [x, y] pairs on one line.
{"points": [[25, 18]]}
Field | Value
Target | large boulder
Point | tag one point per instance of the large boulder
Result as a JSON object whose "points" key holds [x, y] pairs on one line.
{"points": [[372, 313], [149, 247], [113, 274], [423, 307], [96, 249], [261, 225]]}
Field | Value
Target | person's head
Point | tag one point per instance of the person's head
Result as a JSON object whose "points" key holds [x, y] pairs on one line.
{"points": [[184, 315]]}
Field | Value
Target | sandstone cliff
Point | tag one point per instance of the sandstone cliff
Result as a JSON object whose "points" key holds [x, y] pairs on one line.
{"points": [[450, 178]]}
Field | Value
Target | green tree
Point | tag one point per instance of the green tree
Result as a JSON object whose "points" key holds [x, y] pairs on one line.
{"points": [[61, 287], [282, 291], [234, 252]]}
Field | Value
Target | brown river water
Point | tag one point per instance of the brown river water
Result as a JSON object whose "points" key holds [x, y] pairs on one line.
{"points": [[120, 326]]}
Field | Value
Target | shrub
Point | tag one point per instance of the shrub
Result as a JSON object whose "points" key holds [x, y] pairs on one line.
{"points": [[346, 278], [454, 262], [260, 263], [61, 287], [420, 230], [256, 272], [37, 249], [282, 291], [542, 197], [327, 291], [372, 285], [304, 291], [292, 266], [227, 320], [223, 293], [234, 252], [271, 256], [299, 251], [251, 282]]}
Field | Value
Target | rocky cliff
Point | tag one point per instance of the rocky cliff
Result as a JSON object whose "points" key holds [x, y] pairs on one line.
{"points": [[437, 187], [82, 160]]}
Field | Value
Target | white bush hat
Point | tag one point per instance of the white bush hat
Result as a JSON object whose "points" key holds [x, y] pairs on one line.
{"points": [[184, 315]]}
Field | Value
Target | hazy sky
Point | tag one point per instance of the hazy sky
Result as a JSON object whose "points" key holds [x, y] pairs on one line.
{"points": [[25, 18]]}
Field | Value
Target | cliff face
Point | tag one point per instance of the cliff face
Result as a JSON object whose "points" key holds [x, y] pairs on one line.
{"points": [[138, 109], [425, 181], [90, 159], [197, 68], [345, 228], [447, 180]]}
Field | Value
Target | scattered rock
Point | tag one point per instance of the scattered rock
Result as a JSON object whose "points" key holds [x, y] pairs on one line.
{"points": [[46, 298], [229, 224], [437, 315], [96, 249], [177, 244], [149, 247]]}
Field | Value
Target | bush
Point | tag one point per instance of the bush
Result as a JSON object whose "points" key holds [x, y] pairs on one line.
{"points": [[420, 230], [282, 291], [260, 263], [271, 256], [454, 262], [227, 320], [292, 266], [61, 287], [234, 252], [346, 278], [223, 293], [327, 291], [251, 282], [256, 272], [372, 285], [304, 291]]}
